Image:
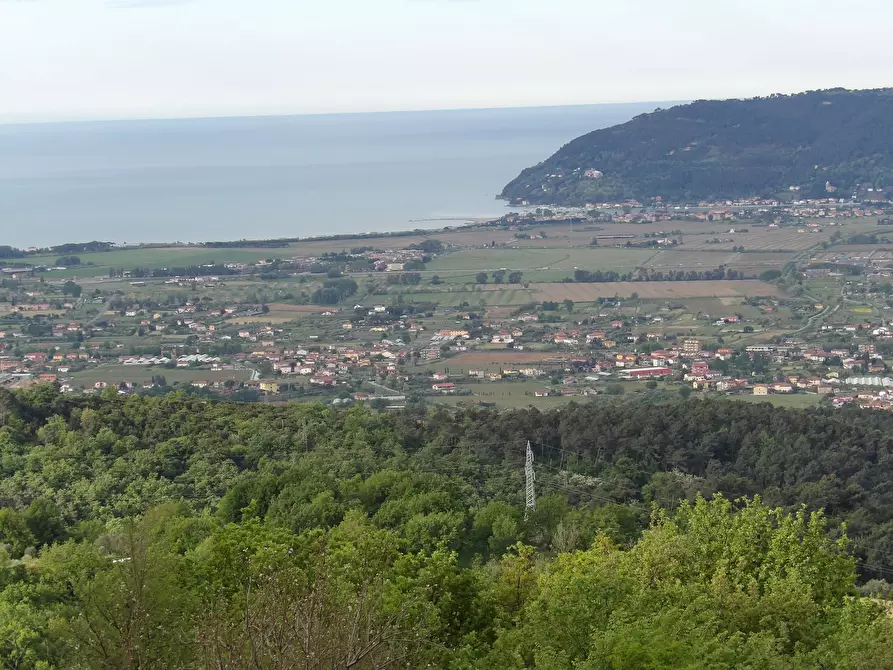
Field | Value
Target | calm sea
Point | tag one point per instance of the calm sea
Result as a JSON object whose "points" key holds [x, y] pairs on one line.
{"points": [[297, 176]]}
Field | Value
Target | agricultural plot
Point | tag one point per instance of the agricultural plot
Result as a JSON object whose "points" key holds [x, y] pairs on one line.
{"points": [[796, 400], [683, 259], [162, 257], [487, 295], [749, 263], [763, 239], [504, 358], [653, 290], [138, 374], [607, 258]]}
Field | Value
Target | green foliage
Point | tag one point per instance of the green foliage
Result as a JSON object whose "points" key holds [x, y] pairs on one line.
{"points": [[171, 532], [333, 291], [711, 586], [72, 289], [710, 150]]}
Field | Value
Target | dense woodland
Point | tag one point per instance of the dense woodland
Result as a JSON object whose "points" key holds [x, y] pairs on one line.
{"points": [[710, 150], [177, 532]]}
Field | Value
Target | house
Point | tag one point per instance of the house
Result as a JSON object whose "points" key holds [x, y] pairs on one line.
{"points": [[541, 393], [564, 338], [645, 373], [760, 389], [617, 324], [782, 387], [440, 376], [447, 387], [699, 370]]}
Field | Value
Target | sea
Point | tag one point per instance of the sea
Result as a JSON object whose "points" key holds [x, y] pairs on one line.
{"points": [[199, 180]]}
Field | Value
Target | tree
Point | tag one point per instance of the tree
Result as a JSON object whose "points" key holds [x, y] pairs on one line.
{"points": [[697, 591], [499, 276], [568, 305], [44, 521], [134, 612], [435, 280], [481, 278], [72, 289], [515, 277], [14, 531]]}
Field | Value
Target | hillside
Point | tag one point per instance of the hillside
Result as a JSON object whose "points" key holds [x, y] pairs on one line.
{"points": [[710, 149], [176, 533]]}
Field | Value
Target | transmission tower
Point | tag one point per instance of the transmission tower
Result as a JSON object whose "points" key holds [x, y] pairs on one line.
{"points": [[529, 479]]}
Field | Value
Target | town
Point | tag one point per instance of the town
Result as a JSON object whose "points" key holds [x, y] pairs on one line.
{"points": [[535, 308]]}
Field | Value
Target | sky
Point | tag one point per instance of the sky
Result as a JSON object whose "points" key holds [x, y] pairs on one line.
{"points": [[120, 59]]}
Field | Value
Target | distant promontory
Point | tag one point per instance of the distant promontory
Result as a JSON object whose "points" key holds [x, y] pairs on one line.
{"points": [[806, 145]]}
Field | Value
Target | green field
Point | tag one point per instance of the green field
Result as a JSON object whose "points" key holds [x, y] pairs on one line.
{"points": [[795, 400], [506, 296], [160, 258], [604, 258], [140, 373]]}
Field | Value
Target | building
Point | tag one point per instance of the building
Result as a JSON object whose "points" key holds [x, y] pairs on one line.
{"points": [[700, 369], [760, 389], [645, 373], [691, 347]]}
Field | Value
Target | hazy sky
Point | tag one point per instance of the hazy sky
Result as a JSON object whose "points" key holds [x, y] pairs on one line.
{"points": [[87, 59]]}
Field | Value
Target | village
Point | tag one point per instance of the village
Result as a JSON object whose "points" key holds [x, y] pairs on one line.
{"points": [[757, 312]]}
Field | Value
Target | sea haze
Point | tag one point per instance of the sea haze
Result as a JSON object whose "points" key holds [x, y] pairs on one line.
{"points": [[249, 178]]}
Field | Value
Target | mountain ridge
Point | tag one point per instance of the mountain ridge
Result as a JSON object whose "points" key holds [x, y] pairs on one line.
{"points": [[816, 143]]}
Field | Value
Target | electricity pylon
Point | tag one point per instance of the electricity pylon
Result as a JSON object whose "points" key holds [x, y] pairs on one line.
{"points": [[529, 479]]}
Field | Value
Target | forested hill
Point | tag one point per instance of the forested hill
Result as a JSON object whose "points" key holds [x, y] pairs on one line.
{"points": [[710, 150], [173, 532]]}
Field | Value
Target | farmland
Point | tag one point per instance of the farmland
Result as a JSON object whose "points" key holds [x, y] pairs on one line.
{"points": [[653, 290], [390, 315], [542, 259]]}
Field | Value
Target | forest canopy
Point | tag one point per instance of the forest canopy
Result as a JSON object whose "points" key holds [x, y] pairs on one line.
{"points": [[820, 142], [176, 532]]}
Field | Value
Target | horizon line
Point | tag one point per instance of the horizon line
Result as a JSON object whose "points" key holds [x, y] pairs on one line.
{"points": [[222, 117]]}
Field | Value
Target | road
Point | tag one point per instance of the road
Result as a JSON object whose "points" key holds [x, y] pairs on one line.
{"points": [[389, 390], [255, 374], [101, 315]]}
